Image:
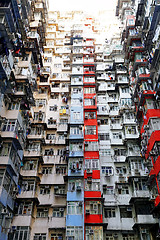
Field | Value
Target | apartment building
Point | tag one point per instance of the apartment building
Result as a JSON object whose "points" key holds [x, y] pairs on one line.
{"points": [[79, 124]]}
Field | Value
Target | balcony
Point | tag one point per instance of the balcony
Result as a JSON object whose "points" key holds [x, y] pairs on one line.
{"points": [[77, 60], [54, 159], [32, 153], [102, 87], [7, 161], [145, 219], [60, 141], [25, 220], [28, 195], [62, 127]]}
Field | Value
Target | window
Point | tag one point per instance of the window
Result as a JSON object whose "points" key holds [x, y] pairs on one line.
{"points": [[105, 152], [76, 115], [90, 115], [126, 101], [56, 236], [108, 190], [73, 185], [39, 116], [2, 171], [13, 106], [89, 90], [40, 236], [75, 165], [5, 150], [144, 208], [91, 146], [123, 189], [49, 152], [129, 116], [107, 170], [40, 102], [126, 212], [42, 212], [74, 233], [74, 208], [90, 130], [51, 121], [89, 79], [25, 208], [94, 233], [45, 190], [119, 152], [131, 130], [89, 101], [76, 101], [136, 164], [36, 131], [128, 236], [92, 184], [117, 135], [103, 136], [76, 146], [28, 186], [50, 136], [9, 125], [58, 212], [94, 207], [53, 108], [7, 181], [125, 90], [59, 190], [121, 170], [92, 164], [109, 212], [76, 90], [109, 237], [61, 169], [21, 233], [33, 147], [140, 185], [114, 107], [76, 130], [47, 170], [103, 121]]}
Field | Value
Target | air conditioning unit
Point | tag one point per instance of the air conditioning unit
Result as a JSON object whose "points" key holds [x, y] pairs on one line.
{"points": [[14, 228], [146, 127], [87, 211], [61, 209], [143, 231], [10, 215], [89, 170], [91, 232], [78, 188], [89, 179], [115, 236], [107, 174], [15, 189], [56, 187], [4, 211], [129, 209]]}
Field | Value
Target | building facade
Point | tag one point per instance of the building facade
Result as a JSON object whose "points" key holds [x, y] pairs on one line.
{"points": [[79, 123]]}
